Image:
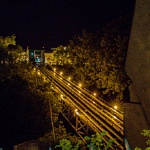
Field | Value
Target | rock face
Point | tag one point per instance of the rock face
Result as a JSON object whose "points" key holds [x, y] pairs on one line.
{"points": [[137, 112]]}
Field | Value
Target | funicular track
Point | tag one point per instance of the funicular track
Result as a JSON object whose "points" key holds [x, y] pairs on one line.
{"points": [[88, 111]]}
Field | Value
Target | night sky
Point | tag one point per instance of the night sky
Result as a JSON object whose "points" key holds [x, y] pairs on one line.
{"points": [[51, 23]]}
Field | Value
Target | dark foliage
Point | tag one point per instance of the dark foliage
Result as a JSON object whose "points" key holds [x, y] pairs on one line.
{"points": [[21, 112]]}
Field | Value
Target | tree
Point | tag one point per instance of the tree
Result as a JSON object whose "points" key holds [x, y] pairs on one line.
{"points": [[62, 56], [24, 107], [25, 111], [9, 51], [94, 141], [6, 41], [66, 145], [60, 134], [145, 133], [98, 59], [81, 48]]}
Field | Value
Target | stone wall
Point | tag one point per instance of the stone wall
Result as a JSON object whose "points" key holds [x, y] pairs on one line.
{"points": [[137, 112], [28, 145], [32, 145]]}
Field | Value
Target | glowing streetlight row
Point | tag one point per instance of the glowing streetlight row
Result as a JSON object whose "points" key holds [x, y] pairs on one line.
{"points": [[69, 78]]}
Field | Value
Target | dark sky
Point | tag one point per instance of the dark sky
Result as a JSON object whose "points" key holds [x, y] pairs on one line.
{"points": [[51, 23]]}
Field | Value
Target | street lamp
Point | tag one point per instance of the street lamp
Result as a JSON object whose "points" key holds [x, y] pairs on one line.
{"points": [[116, 107], [38, 73], [94, 94], [61, 96], [80, 84], [76, 111]]}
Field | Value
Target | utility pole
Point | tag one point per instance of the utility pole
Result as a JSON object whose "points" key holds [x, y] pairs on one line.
{"points": [[51, 116]]}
